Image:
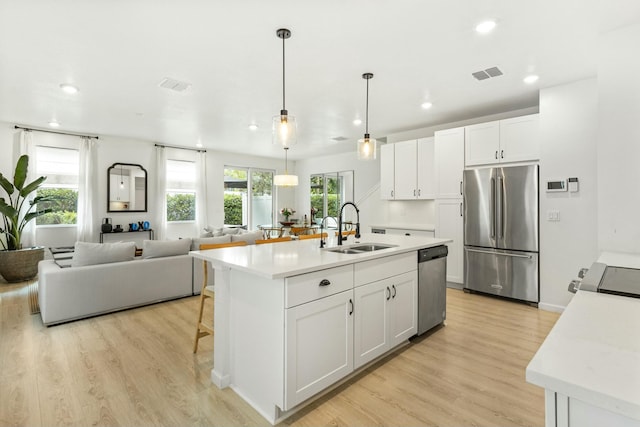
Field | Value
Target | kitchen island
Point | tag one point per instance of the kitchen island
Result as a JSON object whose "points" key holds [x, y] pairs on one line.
{"points": [[293, 320], [589, 364]]}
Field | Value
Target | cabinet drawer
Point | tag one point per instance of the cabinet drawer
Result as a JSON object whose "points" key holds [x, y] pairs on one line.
{"points": [[381, 268], [407, 232], [307, 287]]}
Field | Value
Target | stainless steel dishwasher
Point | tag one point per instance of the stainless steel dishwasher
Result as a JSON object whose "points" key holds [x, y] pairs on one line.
{"points": [[432, 287]]}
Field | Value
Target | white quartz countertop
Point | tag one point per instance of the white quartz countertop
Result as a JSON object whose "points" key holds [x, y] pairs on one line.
{"points": [[593, 353], [397, 225], [620, 259], [284, 259]]}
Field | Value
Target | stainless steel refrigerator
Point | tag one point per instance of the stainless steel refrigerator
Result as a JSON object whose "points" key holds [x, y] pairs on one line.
{"points": [[501, 222]]}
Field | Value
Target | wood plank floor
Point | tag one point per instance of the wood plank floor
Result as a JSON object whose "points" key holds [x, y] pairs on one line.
{"points": [[136, 368]]}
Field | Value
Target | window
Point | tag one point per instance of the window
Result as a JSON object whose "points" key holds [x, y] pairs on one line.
{"points": [[181, 190], [248, 197], [329, 191], [61, 167]]}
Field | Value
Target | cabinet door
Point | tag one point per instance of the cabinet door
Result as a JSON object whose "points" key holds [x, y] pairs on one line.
{"points": [[406, 170], [387, 171], [403, 312], [449, 225], [118, 188], [519, 139], [449, 159], [426, 169], [371, 320], [482, 144], [318, 346]]}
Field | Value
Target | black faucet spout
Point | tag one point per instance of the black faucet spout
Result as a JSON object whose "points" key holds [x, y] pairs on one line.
{"points": [[357, 236]]}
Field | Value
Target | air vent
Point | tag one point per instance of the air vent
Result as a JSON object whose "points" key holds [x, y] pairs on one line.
{"points": [[339, 139], [488, 73], [173, 84]]}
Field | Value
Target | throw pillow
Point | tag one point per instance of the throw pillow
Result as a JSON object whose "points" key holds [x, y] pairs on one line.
{"points": [[226, 230], [195, 243], [164, 248], [102, 253], [249, 237]]}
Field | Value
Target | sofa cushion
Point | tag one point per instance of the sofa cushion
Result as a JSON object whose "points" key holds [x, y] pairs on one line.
{"points": [[195, 243], [165, 248], [249, 237], [86, 253]]}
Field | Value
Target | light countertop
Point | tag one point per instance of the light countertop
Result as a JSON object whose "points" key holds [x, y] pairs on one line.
{"points": [[593, 353], [620, 259], [284, 259], [397, 225]]}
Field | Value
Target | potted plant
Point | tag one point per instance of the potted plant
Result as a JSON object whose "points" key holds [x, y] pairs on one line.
{"points": [[286, 213], [17, 263]]}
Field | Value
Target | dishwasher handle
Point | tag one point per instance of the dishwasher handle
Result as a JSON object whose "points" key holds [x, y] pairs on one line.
{"points": [[430, 254]]}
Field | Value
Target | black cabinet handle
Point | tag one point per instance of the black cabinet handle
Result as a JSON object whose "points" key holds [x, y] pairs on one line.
{"points": [[388, 293], [496, 154], [461, 188], [394, 291], [324, 282], [502, 154], [460, 208], [351, 306]]}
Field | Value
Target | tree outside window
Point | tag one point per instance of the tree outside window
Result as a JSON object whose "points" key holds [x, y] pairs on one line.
{"points": [[181, 193], [61, 167]]}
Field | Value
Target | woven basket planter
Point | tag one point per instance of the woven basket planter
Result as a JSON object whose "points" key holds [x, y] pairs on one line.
{"points": [[20, 265]]}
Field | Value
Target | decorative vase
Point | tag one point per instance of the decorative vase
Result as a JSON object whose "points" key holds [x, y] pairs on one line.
{"points": [[20, 265]]}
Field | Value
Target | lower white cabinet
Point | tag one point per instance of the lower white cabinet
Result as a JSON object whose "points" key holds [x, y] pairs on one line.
{"points": [[408, 232], [385, 315], [319, 345]]}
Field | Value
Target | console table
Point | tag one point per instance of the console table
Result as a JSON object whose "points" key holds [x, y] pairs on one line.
{"points": [[149, 232]]}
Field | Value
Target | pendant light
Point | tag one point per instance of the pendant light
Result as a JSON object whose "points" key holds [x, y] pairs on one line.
{"points": [[367, 146], [121, 180], [284, 125], [285, 180]]}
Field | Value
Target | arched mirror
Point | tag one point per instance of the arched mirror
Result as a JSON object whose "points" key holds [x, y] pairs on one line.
{"points": [[126, 188]]}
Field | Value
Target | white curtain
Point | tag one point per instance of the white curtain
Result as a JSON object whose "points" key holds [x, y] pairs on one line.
{"points": [[161, 193], [87, 182], [26, 146], [201, 192]]}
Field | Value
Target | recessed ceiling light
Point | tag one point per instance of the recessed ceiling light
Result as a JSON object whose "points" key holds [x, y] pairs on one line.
{"points": [[199, 145], [530, 79], [54, 124], [71, 89], [485, 27], [357, 122], [253, 127], [426, 105]]}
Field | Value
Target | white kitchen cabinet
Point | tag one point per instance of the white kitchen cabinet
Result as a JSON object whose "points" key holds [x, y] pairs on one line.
{"points": [[319, 345], [119, 192], [409, 232], [502, 141], [385, 315], [449, 224], [407, 170], [387, 172], [449, 162]]}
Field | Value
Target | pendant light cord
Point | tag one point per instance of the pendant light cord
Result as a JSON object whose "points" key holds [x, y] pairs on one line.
{"points": [[283, 89], [366, 122], [286, 169]]}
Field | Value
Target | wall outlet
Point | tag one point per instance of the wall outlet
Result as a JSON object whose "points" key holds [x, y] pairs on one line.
{"points": [[553, 215]]}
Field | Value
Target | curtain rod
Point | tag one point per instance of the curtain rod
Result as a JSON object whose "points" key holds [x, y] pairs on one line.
{"points": [[53, 131], [199, 150]]}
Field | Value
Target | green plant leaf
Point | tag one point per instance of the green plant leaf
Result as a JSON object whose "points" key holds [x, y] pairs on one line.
{"points": [[21, 171], [7, 185], [8, 210], [47, 198], [32, 186], [33, 215]]}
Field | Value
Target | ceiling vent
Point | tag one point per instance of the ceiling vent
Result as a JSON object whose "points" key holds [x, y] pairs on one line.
{"points": [[339, 139], [488, 73], [173, 84]]}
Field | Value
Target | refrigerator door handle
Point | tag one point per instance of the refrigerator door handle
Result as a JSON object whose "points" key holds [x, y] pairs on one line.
{"points": [[499, 216], [499, 253], [492, 208]]}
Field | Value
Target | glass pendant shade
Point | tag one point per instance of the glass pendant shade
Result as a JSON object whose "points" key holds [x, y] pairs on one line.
{"points": [[367, 148], [285, 180], [284, 130]]}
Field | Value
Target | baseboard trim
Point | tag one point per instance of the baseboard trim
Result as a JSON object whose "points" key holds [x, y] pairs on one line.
{"points": [[551, 307]]}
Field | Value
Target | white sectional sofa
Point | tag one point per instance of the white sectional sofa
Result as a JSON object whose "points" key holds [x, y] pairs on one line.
{"points": [[80, 291]]}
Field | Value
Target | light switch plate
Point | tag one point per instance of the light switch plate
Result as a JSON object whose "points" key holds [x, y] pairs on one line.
{"points": [[553, 215]]}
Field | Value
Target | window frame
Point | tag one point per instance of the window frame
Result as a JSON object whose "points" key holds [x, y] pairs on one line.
{"points": [[250, 170], [181, 191], [46, 185]]}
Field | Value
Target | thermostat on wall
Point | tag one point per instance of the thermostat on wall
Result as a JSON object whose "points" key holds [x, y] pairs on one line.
{"points": [[573, 185], [556, 185]]}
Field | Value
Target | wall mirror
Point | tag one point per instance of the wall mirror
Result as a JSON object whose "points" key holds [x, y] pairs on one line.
{"points": [[328, 191], [126, 188]]}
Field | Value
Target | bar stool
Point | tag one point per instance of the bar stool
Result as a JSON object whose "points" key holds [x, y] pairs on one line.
{"points": [[208, 291], [273, 240], [312, 236]]}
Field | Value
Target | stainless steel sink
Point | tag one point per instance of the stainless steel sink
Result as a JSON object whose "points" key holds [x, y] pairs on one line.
{"points": [[360, 248]]}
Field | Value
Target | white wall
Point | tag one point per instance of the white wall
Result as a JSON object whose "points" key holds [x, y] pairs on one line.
{"points": [[619, 141], [568, 133]]}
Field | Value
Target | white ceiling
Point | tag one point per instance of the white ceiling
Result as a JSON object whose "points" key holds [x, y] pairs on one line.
{"points": [[118, 51]]}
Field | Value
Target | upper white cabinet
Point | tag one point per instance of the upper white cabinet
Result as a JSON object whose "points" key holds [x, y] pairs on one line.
{"points": [[119, 187], [449, 163], [387, 171], [407, 170], [501, 141]]}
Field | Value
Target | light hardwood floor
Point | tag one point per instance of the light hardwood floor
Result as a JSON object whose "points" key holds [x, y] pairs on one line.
{"points": [[136, 368]]}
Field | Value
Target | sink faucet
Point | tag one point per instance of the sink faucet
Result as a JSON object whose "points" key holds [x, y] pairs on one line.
{"points": [[340, 222], [322, 230]]}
